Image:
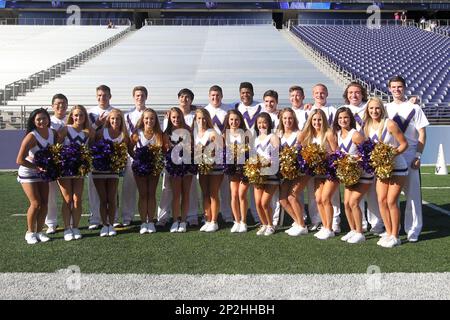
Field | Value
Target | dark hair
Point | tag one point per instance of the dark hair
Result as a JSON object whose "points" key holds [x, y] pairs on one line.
{"points": [[169, 128], [216, 88], [60, 96], [246, 85], [186, 92], [271, 93], [140, 88], [355, 84], [103, 88], [227, 118], [297, 88], [336, 126], [30, 122], [397, 79], [267, 117]]}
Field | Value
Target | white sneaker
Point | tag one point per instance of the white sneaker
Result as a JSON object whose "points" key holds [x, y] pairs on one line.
{"points": [[42, 237], [213, 227], [68, 235], [30, 237], [348, 235], [261, 230], [242, 227], [93, 226], [235, 227], [204, 227], [76, 234], [357, 238], [116, 225], [111, 231], [270, 230], [182, 227], [151, 227], [292, 227], [391, 242], [336, 228], [126, 224], [319, 233], [174, 227], [326, 234], [383, 238], [144, 228], [298, 230], [412, 237], [364, 229], [104, 231], [383, 235], [51, 230]]}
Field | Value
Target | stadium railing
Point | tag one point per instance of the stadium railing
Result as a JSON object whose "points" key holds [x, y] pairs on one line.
{"points": [[207, 22], [20, 87], [64, 21]]}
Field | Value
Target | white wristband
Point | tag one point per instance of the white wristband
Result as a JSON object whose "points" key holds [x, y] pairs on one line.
{"points": [[418, 154]]}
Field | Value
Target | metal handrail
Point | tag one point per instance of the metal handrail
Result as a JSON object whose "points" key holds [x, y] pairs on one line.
{"points": [[63, 21], [347, 22], [206, 22]]}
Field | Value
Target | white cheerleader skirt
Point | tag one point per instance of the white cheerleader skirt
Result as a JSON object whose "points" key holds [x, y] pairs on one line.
{"points": [[28, 175], [366, 178], [400, 166], [104, 175]]}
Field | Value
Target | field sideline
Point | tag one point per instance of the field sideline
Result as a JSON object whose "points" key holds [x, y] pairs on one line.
{"points": [[227, 255]]}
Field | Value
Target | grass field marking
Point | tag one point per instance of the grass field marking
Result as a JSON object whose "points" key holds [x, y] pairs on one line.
{"points": [[433, 188], [435, 207]]}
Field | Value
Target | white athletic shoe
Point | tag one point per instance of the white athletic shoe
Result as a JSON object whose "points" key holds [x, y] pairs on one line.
{"points": [[182, 227], [298, 230], [235, 227], [315, 226], [204, 227], [348, 235], [292, 227], [42, 237], [391, 242], [357, 238], [111, 231], [319, 233], [93, 226], [242, 227], [144, 228], [412, 237], [261, 230], [30, 237], [68, 235], [151, 227], [270, 230], [212, 227], [51, 230], [326, 234], [174, 227], [116, 225], [383, 238], [104, 231], [336, 228], [76, 234]]}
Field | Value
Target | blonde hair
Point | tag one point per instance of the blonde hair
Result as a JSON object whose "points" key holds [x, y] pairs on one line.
{"points": [[368, 121], [205, 113], [310, 131], [156, 128], [86, 124], [123, 127], [280, 117]]}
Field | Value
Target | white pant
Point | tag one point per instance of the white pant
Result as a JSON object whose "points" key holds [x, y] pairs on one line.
{"points": [[413, 210], [314, 215], [129, 193], [94, 204], [252, 204], [276, 207], [165, 203], [52, 211], [373, 211], [225, 200]]}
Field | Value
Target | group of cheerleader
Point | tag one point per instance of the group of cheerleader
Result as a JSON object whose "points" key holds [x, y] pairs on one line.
{"points": [[179, 139]]}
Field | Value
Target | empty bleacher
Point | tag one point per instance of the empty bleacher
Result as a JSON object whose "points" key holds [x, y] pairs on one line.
{"points": [[168, 58], [375, 55]]}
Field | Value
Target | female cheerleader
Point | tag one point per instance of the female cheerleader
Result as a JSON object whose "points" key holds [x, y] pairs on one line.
{"points": [[208, 141], [317, 131], [266, 143], [148, 132], [379, 128], [236, 135], [78, 130], [289, 137], [344, 127], [180, 135], [107, 183], [38, 136]]}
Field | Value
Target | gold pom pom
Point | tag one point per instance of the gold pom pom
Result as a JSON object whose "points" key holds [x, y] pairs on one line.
{"points": [[205, 162], [382, 160], [86, 160], [288, 161], [119, 157], [158, 159], [315, 157], [348, 170], [252, 169]]}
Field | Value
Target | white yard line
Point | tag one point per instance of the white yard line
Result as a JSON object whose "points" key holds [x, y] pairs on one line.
{"points": [[435, 207], [67, 284], [432, 188]]}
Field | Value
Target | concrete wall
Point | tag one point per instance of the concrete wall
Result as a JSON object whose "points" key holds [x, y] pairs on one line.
{"points": [[10, 143]]}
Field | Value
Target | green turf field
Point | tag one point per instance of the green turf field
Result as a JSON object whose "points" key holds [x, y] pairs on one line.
{"points": [[221, 252]]}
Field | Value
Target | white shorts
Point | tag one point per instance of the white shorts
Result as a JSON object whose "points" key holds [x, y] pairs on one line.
{"points": [[28, 175]]}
